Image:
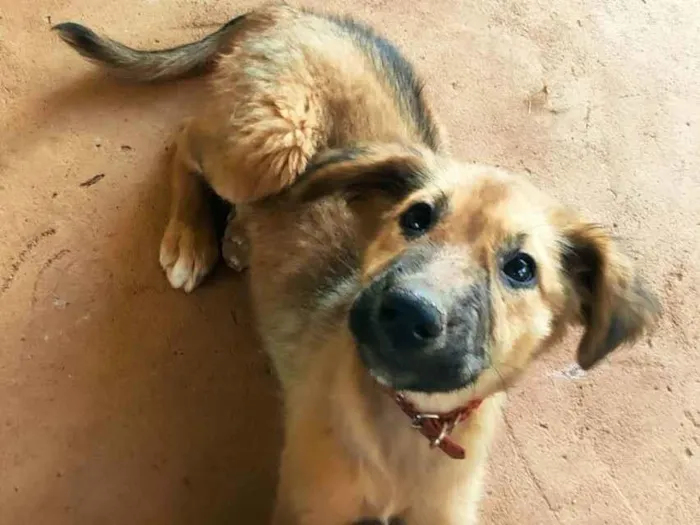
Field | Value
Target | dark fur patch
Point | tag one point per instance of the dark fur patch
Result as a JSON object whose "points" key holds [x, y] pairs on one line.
{"points": [[344, 172], [164, 64], [390, 63], [83, 39], [616, 308], [582, 262], [336, 156], [220, 208], [334, 268], [394, 179]]}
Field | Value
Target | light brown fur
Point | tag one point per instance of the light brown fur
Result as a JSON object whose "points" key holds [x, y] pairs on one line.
{"points": [[308, 134]]}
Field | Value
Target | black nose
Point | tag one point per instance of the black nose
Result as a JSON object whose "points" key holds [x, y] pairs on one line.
{"points": [[412, 321]]}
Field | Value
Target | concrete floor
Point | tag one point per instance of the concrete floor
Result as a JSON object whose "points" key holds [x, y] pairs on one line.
{"points": [[122, 401]]}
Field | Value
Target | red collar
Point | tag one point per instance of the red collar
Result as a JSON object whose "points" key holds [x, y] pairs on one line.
{"points": [[438, 427]]}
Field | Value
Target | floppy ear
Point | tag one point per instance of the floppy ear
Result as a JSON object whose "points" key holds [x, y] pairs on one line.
{"points": [[615, 305], [362, 172]]}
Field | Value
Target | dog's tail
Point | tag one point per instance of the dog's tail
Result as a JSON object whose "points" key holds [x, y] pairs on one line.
{"points": [[147, 66]]}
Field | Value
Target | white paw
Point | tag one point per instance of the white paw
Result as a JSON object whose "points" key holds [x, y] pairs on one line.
{"points": [[187, 254]]}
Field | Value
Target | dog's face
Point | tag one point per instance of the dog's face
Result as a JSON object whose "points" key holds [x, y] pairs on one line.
{"points": [[468, 272]]}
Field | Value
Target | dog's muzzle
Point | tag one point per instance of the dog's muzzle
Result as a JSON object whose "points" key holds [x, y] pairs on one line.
{"points": [[415, 334]]}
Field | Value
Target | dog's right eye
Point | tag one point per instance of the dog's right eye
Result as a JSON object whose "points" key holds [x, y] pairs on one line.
{"points": [[520, 270], [417, 219]]}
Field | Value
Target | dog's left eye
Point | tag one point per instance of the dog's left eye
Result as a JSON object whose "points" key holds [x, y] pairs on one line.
{"points": [[417, 219], [519, 270]]}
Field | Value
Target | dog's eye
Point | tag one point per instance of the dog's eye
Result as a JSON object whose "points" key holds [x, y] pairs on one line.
{"points": [[519, 270], [417, 219]]}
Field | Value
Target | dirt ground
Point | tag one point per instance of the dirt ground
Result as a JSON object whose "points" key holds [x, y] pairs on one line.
{"points": [[122, 401]]}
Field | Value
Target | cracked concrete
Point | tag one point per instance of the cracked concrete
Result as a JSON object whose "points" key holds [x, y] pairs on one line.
{"points": [[123, 401]]}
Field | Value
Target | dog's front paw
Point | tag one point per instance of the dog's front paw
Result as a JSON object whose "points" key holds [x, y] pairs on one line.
{"points": [[187, 254], [235, 247]]}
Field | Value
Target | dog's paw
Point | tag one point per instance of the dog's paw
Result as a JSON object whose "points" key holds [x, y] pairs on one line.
{"points": [[187, 254], [235, 247]]}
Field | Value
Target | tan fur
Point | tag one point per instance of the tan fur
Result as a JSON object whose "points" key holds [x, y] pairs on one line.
{"points": [[307, 128], [349, 451]]}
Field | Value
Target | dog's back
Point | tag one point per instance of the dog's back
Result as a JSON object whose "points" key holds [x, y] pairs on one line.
{"points": [[288, 84]]}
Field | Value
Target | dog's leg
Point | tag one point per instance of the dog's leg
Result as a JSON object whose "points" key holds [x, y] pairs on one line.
{"points": [[441, 515], [189, 248], [235, 246], [453, 497], [317, 485], [318, 512]]}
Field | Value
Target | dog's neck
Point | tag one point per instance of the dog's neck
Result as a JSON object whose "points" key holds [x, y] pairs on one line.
{"points": [[439, 403], [370, 406], [437, 427]]}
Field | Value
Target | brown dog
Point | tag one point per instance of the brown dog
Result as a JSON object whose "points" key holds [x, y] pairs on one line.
{"points": [[388, 279]]}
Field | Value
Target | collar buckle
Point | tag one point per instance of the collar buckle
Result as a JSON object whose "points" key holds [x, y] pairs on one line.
{"points": [[438, 427], [418, 419], [445, 430]]}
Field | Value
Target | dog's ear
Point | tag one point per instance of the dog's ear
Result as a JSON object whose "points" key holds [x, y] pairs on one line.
{"points": [[386, 171], [616, 306]]}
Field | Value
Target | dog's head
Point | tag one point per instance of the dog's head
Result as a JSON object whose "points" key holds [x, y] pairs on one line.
{"points": [[468, 272]]}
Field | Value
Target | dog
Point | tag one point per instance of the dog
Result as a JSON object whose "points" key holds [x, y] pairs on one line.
{"points": [[398, 292]]}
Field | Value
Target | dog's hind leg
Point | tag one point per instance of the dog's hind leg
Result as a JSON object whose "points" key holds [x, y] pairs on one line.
{"points": [[235, 245]]}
